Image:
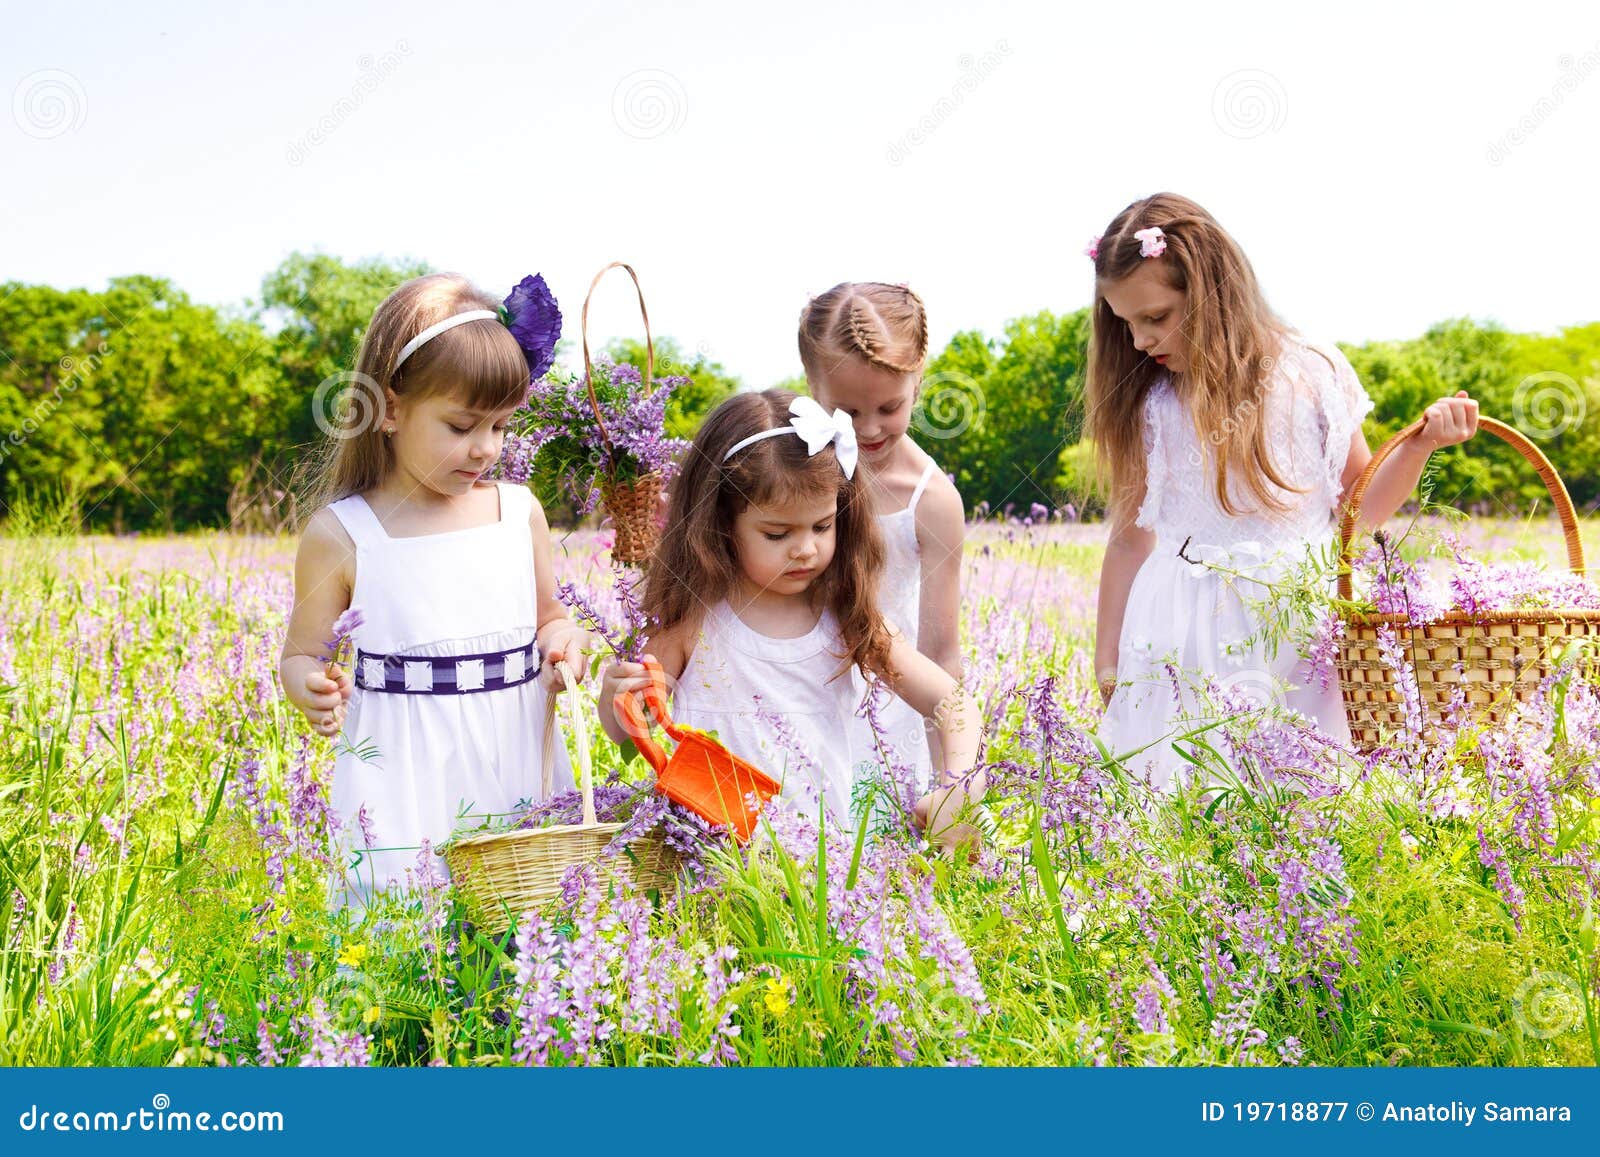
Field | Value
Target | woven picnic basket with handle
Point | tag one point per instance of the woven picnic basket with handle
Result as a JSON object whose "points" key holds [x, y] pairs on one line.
{"points": [[632, 504], [1502, 654], [501, 875]]}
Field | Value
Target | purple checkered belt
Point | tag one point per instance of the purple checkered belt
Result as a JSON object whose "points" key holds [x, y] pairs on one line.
{"points": [[446, 674]]}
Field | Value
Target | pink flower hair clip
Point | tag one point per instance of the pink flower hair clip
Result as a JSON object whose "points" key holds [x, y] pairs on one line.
{"points": [[1152, 241], [1093, 251]]}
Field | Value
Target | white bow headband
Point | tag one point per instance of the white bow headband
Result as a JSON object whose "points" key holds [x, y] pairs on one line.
{"points": [[817, 428]]}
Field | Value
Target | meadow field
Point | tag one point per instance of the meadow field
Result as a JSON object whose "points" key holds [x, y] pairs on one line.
{"points": [[165, 828]]}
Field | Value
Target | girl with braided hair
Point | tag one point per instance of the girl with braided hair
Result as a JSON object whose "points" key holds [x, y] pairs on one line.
{"points": [[864, 345]]}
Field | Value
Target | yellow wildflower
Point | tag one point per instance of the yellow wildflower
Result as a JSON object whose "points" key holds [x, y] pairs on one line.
{"points": [[777, 996], [353, 955]]}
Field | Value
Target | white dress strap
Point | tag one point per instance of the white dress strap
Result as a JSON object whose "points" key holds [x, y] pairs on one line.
{"points": [[359, 520], [518, 503], [922, 484]]}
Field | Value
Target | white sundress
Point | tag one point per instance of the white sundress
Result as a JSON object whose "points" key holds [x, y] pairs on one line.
{"points": [[1195, 617], [900, 599], [460, 593], [803, 731]]}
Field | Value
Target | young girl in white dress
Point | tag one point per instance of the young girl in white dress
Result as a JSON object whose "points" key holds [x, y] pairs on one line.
{"points": [[442, 709], [763, 596], [1229, 442], [864, 345]]}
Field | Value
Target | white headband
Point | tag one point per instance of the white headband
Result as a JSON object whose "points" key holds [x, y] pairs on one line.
{"points": [[817, 428], [438, 328]]}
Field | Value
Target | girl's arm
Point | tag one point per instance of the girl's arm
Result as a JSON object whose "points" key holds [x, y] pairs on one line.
{"points": [[324, 571], [1126, 549], [1447, 422], [930, 689], [958, 732], [941, 531], [558, 637], [670, 647]]}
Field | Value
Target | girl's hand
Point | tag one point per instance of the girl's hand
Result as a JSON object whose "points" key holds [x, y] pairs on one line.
{"points": [[1108, 685], [623, 678], [569, 646], [1449, 422], [938, 812], [324, 700]]}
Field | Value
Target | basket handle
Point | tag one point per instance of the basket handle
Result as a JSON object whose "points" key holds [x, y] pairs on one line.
{"points": [[588, 366], [580, 734], [1509, 434]]}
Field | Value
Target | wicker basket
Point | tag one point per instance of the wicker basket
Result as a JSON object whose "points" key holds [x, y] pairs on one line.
{"points": [[632, 504], [632, 507], [504, 874], [1503, 654]]}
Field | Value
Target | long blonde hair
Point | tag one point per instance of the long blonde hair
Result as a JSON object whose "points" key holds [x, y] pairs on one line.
{"points": [[883, 325], [1231, 339], [478, 362]]}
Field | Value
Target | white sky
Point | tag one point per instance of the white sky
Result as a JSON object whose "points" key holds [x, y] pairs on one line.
{"points": [[1348, 147]]}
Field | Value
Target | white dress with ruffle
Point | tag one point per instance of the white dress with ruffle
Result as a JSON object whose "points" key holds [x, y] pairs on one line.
{"points": [[1186, 623]]}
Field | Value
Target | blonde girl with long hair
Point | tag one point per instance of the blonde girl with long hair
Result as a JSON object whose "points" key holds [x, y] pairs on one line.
{"points": [[1228, 441]]}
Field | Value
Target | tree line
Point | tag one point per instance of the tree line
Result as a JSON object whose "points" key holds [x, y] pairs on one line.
{"points": [[148, 411]]}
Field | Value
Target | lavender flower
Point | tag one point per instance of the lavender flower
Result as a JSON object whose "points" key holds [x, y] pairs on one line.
{"points": [[343, 627]]}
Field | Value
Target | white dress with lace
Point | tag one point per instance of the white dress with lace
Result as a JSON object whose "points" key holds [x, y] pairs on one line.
{"points": [[1186, 622]]}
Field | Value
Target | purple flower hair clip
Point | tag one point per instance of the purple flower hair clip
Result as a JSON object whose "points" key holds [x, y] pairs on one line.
{"points": [[1152, 241], [1093, 250], [531, 314]]}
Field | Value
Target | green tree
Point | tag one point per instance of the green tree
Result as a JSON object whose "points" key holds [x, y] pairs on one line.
{"points": [[1000, 414], [319, 307]]}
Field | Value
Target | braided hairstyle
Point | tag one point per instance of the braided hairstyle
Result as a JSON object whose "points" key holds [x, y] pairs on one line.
{"points": [[883, 325]]}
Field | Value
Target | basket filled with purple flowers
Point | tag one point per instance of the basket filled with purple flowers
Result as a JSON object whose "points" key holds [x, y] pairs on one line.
{"points": [[500, 875], [1409, 654], [603, 436]]}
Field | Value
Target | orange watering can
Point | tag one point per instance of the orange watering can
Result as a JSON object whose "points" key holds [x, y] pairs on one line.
{"points": [[701, 774]]}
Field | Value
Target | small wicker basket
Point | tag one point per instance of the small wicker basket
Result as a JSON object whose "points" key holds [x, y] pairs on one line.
{"points": [[631, 504], [1503, 654], [501, 875]]}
